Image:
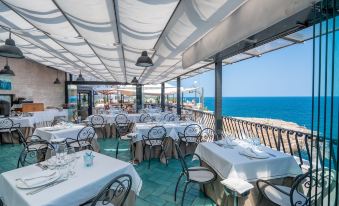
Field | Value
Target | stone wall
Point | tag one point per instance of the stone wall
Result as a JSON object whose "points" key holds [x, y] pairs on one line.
{"points": [[35, 81]]}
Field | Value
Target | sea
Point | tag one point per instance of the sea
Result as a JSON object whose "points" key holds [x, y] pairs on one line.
{"points": [[291, 109]]}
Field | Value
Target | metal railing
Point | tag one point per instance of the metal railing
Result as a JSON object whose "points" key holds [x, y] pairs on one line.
{"points": [[295, 143]]}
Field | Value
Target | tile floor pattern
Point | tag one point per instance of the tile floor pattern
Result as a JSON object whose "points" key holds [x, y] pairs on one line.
{"points": [[158, 182]]}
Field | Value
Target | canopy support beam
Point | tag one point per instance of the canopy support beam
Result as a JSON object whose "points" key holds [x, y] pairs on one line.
{"points": [[218, 97], [138, 94], [178, 96], [162, 97]]}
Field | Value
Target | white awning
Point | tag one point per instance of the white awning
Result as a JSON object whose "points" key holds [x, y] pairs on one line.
{"points": [[104, 38]]}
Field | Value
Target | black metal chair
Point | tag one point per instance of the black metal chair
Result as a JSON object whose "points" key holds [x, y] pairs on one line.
{"points": [[114, 193], [121, 119], [98, 122], [83, 140], [34, 152], [145, 118], [122, 131], [169, 117], [191, 135], [303, 190], [199, 174], [7, 126], [122, 127], [155, 138], [208, 135]]}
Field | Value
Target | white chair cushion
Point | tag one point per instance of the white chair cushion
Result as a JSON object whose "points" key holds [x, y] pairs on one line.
{"points": [[82, 144], [201, 175], [37, 146], [189, 139], [280, 198], [154, 142], [125, 137]]}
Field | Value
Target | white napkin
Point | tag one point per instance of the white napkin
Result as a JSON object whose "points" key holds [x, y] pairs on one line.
{"points": [[230, 142], [236, 184], [38, 178], [254, 153]]}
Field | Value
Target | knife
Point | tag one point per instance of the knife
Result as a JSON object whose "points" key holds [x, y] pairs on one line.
{"points": [[45, 187]]}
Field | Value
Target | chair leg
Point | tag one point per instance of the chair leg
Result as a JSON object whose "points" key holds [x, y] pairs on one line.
{"points": [[183, 195], [149, 157], [117, 149], [176, 187]]}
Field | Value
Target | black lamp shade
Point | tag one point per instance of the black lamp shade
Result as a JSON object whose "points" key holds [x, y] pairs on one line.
{"points": [[10, 50], [144, 60], [57, 81], [6, 71], [134, 81], [80, 78]]}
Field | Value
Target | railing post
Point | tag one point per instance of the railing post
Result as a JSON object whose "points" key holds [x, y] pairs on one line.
{"points": [[178, 97], [162, 98], [218, 96], [138, 95]]}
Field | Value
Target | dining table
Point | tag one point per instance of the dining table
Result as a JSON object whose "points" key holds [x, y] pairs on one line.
{"points": [[240, 159], [172, 130], [71, 191], [63, 132]]}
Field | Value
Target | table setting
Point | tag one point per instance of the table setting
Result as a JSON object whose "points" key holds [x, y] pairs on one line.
{"points": [[67, 178]]}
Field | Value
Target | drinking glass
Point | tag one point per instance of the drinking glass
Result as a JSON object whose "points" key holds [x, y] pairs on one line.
{"points": [[61, 153], [71, 159]]}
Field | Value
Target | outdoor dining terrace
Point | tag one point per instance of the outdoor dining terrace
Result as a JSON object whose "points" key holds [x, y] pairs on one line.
{"points": [[92, 107]]}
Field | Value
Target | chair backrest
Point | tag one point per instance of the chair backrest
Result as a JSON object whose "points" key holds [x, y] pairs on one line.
{"points": [[97, 120], [115, 192], [169, 117], [123, 128], [86, 133], [208, 135], [157, 133], [182, 160], [34, 152], [312, 186], [121, 119], [192, 131], [145, 117], [6, 123]]}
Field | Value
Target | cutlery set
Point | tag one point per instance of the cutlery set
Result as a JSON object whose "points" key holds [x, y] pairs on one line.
{"points": [[45, 187]]}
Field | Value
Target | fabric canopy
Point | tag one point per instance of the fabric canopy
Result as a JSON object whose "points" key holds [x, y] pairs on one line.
{"points": [[104, 38]]}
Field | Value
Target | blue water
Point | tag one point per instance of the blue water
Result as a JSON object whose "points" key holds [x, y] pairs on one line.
{"points": [[292, 109]]}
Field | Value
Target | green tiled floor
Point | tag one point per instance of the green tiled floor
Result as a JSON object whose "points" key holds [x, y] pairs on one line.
{"points": [[158, 182]]}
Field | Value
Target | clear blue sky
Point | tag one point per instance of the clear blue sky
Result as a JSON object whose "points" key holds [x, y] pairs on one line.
{"points": [[285, 72]]}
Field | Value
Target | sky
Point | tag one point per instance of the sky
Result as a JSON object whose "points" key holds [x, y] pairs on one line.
{"points": [[284, 72]]}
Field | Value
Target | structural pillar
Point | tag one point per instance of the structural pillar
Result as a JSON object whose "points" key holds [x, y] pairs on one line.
{"points": [[178, 97], [218, 97], [162, 97], [138, 94]]}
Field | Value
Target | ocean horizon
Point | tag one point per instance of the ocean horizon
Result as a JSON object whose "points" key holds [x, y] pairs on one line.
{"points": [[290, 109]]}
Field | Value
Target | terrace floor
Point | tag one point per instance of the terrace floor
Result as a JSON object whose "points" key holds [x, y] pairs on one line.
{"points": [[158, 181]]}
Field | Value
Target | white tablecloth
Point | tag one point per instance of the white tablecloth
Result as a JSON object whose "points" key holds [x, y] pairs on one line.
{"points": [[86, 183], [48, 115], [24, 121], [172, 129], [71, 132], [228, 163]]}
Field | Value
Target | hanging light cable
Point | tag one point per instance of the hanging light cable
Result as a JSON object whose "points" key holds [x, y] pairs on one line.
{"points": [[80, 77], [57, 81]]}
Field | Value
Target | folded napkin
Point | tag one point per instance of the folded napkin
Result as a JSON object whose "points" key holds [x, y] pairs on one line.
{"points": [[236, 184], [39, 178], [230, 142], [254, 153]]}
